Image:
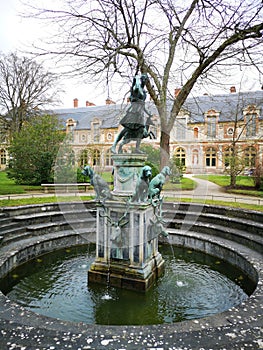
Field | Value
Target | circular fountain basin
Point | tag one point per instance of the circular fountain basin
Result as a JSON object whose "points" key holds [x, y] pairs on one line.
{"points": [[231, 235], [193, 286]]}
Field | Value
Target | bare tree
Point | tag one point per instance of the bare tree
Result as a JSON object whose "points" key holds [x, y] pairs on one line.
{"points": [[242, 125], [181, 43], [25, 88]]}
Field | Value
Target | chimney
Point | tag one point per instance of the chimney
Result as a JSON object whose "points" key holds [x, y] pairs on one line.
{"points": [[176, 92], [110, 102], [76, 103], [89, 104], [232, 89]]}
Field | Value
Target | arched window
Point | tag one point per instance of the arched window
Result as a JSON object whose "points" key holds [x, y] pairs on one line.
{"points": [[95, 157], [210, 157], [180, 154], [3, 156], [228, 156], [84, 158], [109, 161], [250, 156], [196, 131]]}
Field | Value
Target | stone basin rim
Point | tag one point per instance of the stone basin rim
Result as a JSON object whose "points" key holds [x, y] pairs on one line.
{"points": [[239, 316]]}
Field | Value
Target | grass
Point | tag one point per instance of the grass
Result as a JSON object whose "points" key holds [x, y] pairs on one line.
{"points": [[224, 180], [220, 203], [185, 184], [42, 200], [8, 186], [244, 184]]}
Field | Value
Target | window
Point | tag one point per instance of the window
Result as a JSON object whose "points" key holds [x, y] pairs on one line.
{"points": [[250, 156], [70, 124], [2, 157], [83, 138], [251, 125], [196, 131], [181, 129], [229, 154], [95, 157], [211, 126], [210, 157], [96, 132], [180, 154], [230, 131], [84, 158], [2, 136], [109, 161]]}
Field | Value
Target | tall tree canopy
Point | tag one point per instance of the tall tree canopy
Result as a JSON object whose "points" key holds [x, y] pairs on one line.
{"points": [[25, 88], [34, 150], [177, 43]]}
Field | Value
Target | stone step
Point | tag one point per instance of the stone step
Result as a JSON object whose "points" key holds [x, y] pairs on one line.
{"points": [[13, 230], [61, 224], [183, 238], [237, 223], [52, 216], [254, 216], [47, 208], [52, 228], [81, 236], [251, 240]]}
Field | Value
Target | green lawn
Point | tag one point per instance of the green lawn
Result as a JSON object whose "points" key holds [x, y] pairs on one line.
{"points": [[185, 184], [8, 186], [245, 184], [224, 180]]}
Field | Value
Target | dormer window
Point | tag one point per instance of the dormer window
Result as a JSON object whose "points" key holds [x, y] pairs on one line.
{"points": [[71, 124], [251, 124], [96, 132], [181, 129], [211, 126], [95, 125]]}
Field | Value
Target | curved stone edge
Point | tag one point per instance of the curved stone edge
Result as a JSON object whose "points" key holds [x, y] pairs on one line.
{"points": [[239, 326]]}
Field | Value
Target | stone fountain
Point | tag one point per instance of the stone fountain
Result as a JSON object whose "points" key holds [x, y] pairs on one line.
{"points": [[128, 225], [129, 219]]}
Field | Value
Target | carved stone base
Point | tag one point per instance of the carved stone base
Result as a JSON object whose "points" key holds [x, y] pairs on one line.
{"points": [[128, 277], [126, 239], [127, 168]]}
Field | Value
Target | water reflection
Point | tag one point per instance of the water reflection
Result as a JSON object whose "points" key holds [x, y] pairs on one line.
{"points": [[56, 286]]}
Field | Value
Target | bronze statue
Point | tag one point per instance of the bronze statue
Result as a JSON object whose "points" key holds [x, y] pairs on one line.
{"points": [[135, 128], [156, 184], [101, 187], [142, 186]]}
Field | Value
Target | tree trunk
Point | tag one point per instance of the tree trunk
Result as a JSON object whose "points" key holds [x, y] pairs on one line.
{"points": [[233, 179], [165, 149]]}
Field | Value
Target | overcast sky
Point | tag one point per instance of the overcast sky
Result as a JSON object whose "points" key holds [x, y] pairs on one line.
{"points": [[18, 34]]}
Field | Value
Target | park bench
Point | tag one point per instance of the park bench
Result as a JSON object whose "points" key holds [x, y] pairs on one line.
{"points": [[66, 187]]}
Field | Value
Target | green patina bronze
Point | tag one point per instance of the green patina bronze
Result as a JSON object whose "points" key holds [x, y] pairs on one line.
{"points": [[135, 128]]}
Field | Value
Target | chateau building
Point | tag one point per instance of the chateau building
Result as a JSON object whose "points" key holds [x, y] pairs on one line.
{"points": [[203, 134], [205, 130]]}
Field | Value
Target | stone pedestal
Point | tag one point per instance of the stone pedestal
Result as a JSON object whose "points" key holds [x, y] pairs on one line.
{"points": [[127, 168], [126, 243]]}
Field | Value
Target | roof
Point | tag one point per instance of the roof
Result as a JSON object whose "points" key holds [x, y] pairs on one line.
{"points": [[228, 105]]}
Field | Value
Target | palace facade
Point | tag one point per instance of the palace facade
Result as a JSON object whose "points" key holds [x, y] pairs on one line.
{"points": [[203, 134]]}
